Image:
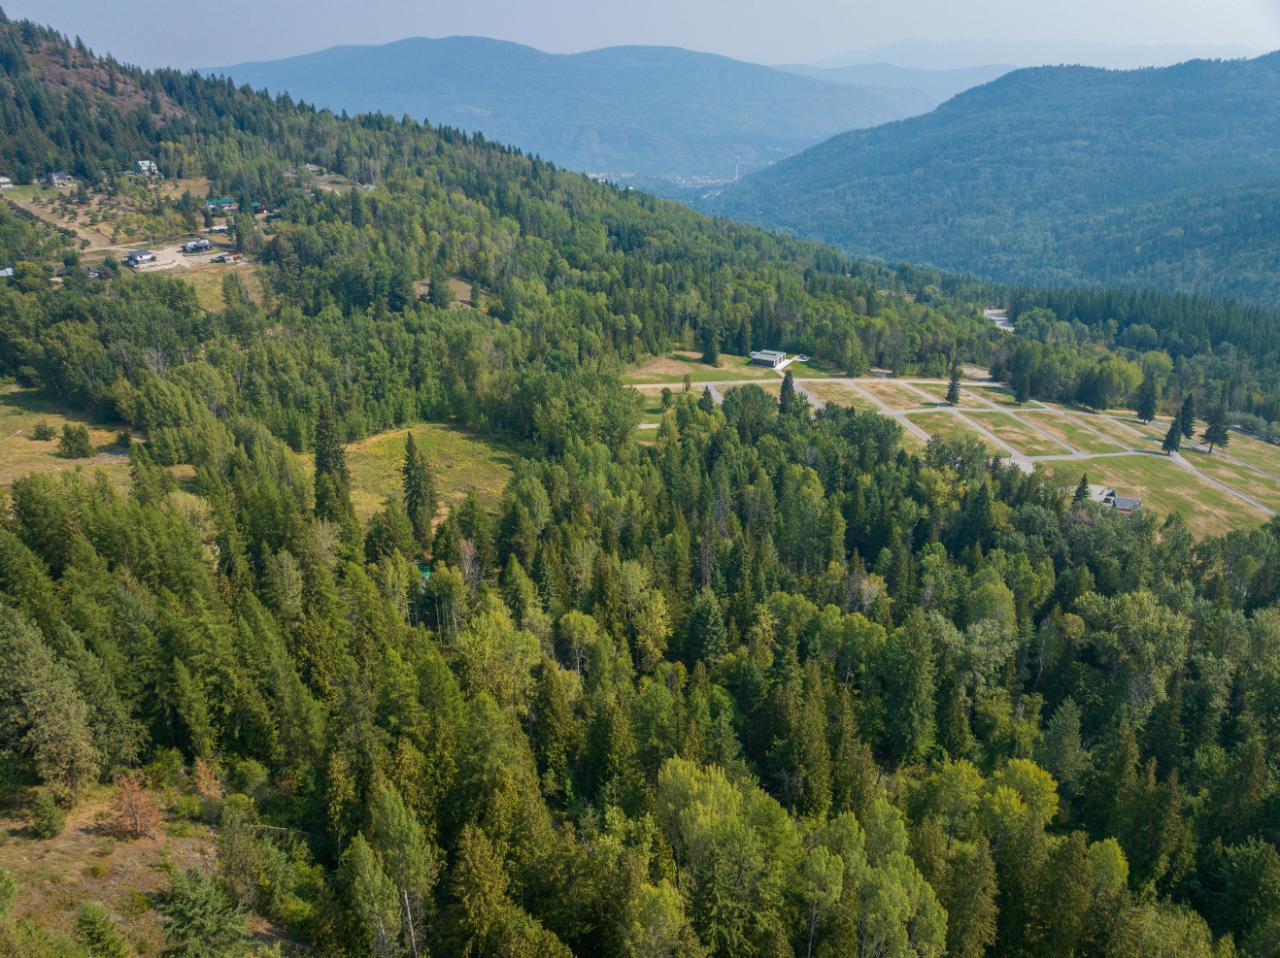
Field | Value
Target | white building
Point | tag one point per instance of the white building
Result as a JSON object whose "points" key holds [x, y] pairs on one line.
{"points": [[769, 357]]}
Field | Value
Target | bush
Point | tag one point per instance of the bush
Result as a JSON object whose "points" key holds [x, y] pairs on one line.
{"points": [[75, 442], [43, 432], [96, 931], [47, 817]]}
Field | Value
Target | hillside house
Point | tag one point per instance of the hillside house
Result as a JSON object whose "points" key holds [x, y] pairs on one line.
{"points": [[772, 358], [147, 167], [140, 257], [6, 273], [61, 181], [6, 183], [223, 206], [1125, 505]]}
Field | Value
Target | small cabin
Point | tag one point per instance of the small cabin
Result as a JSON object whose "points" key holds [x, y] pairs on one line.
{"points": [[61, 181], [139, 258], [147, 167], [1126, 505], [772, 358], [6, 183]]}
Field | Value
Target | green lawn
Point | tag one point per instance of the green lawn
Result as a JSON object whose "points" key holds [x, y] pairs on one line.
{"points": [[1022, 437], [1164, 487]]}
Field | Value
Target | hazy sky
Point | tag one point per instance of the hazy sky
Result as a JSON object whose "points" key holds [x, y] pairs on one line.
{"points": [[190, 33]]}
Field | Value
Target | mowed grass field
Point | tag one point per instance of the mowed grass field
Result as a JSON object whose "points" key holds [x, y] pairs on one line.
{"points": [[21, 454], [1066, 429], [671, 370], [1164, 487], [1252, 483], [948, 425], [460, 461], [841, 395], [897, 395], [1022, 437]]}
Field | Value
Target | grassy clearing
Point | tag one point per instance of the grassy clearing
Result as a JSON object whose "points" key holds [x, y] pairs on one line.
{"points": [[651, 411], [88, 863], [21, 454], [1073, 433], [207, 282], [946, 425], [1164, 487], [897, 395], [674, 367], [1023, 437], [841, 395], [461, 462]]}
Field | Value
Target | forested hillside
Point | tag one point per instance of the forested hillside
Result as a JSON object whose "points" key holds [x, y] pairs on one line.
{"points": [[1159, 178], [623, 111], [767, 685]]}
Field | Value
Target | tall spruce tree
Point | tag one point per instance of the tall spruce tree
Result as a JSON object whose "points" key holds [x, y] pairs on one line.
{"points": [[1187, 417], [419, 491], [1216, 432], [953, 387], [1147, 399], [333, 481]]}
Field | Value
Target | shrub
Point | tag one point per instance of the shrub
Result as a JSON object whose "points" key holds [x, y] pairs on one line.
{"points": [[43, 432], [48, 817], [96, 931], [75, 442]]}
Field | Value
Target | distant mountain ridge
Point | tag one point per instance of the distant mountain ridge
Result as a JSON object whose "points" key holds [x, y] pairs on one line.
{"points": [[1057, 175], [659, 111]]}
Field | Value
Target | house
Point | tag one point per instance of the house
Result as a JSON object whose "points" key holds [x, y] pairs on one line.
{"points": [[196, 246], [1125, 505], [147, 167], [225, 204], [6, 273], [139, 257], [61, 181], [314, 168], [772, 358], [6, 183]]}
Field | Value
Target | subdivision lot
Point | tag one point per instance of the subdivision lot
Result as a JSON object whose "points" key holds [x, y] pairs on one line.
{"points": [[897, 395], [1066, 429], [1002, 396], [839, 394], [1164, 487], [1257, 453], [948, 425], [1022, 437], [1249, 481]]}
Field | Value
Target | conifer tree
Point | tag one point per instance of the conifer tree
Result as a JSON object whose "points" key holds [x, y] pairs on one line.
{"points": [[1147, 399], [1187, 417], [953, 387], [97, 933], [333, 481], [1216, 432], [419, 491], [787, 396], [1082, 490]]}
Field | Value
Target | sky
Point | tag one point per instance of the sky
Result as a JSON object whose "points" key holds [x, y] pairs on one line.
{"points": [[184, 33]]}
